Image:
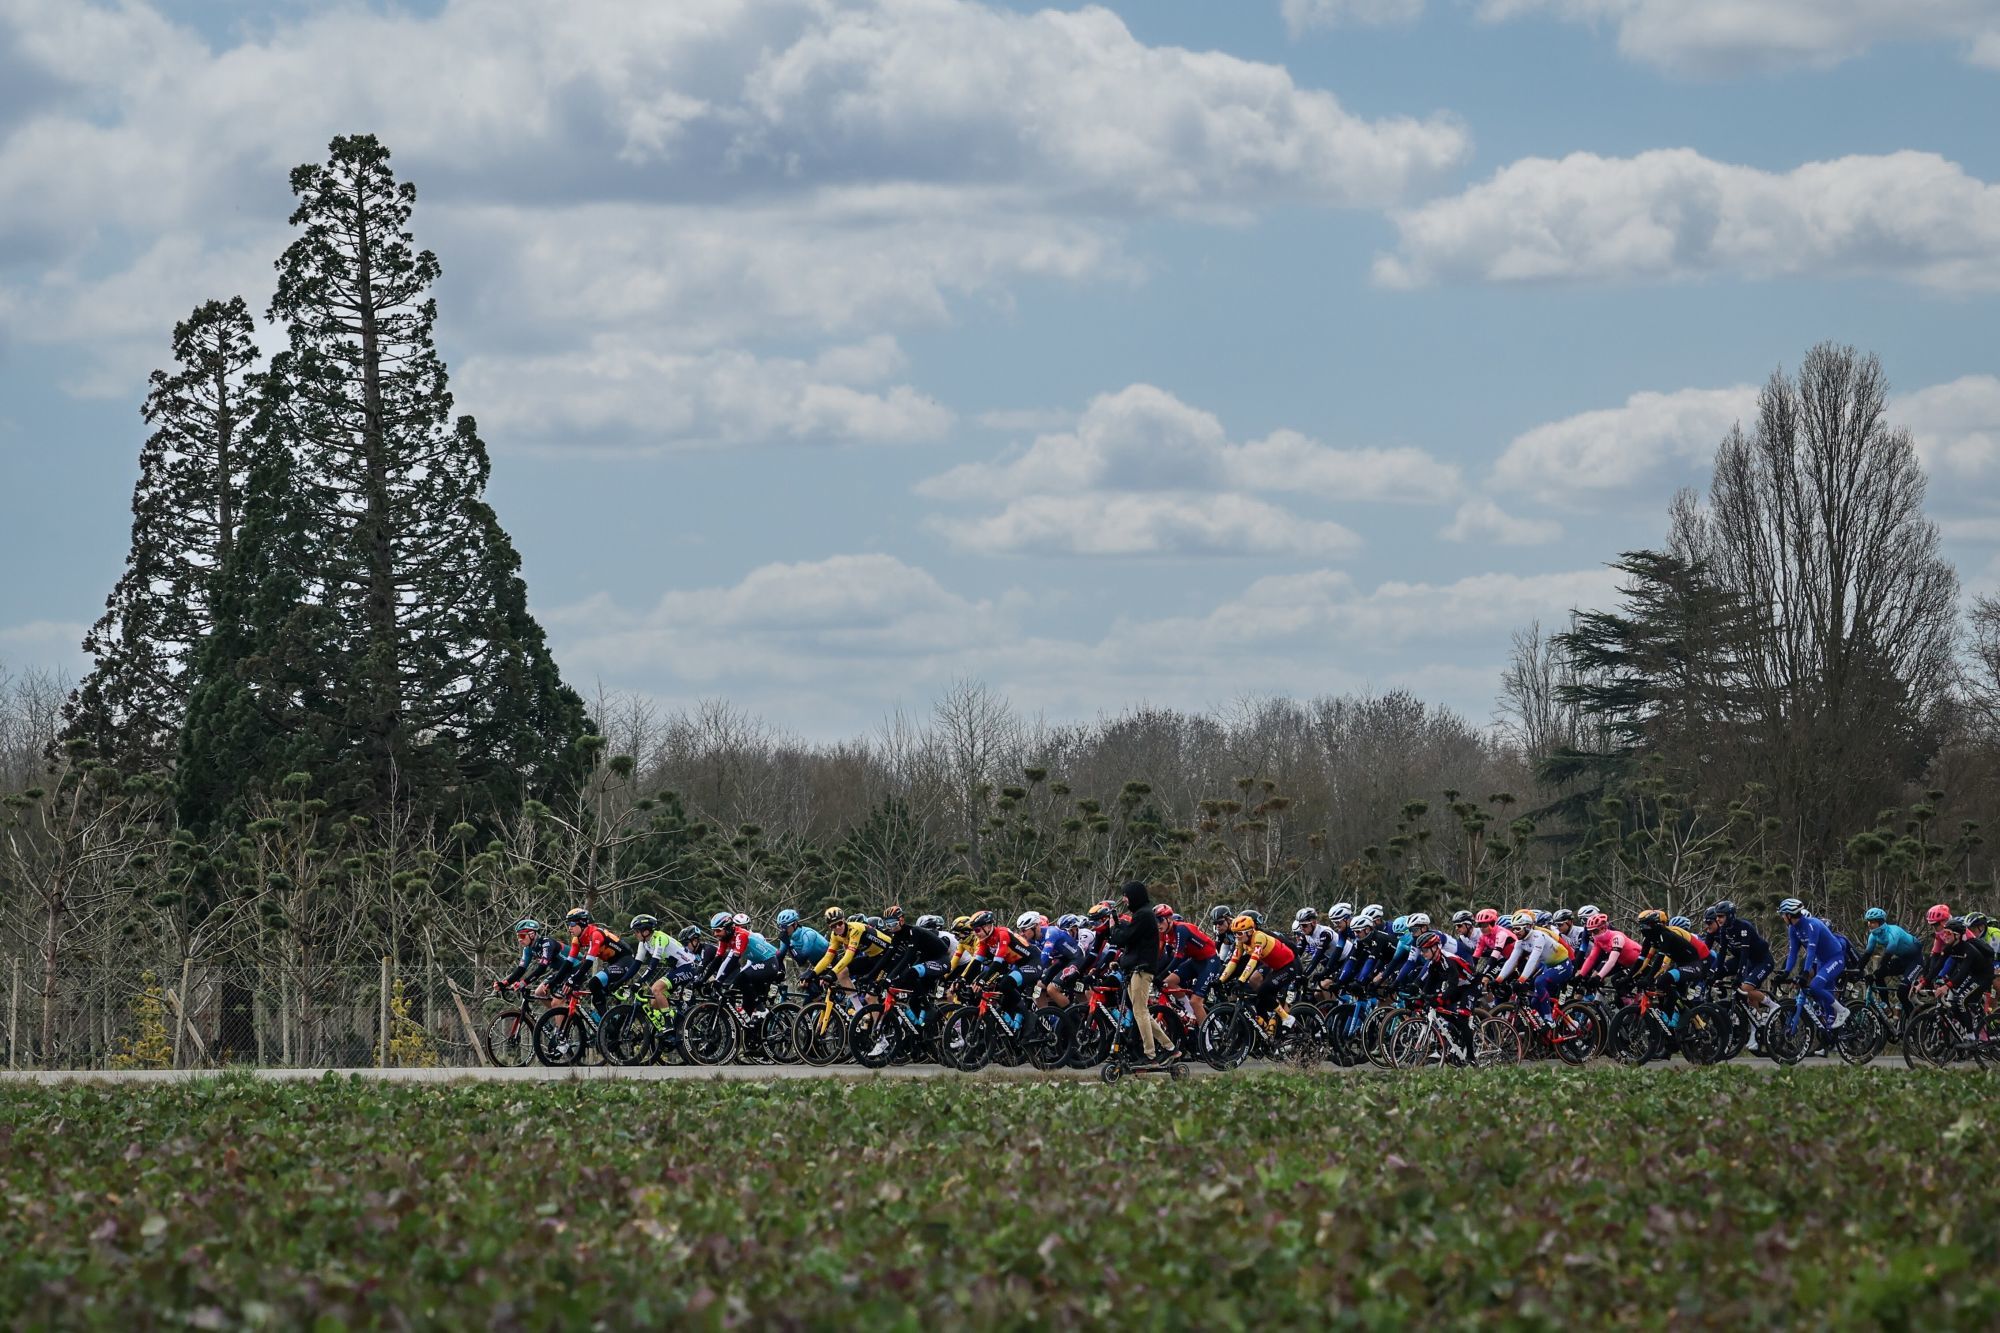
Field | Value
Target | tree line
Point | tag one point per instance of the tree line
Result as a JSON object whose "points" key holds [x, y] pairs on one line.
{"points": [[321, 725]]}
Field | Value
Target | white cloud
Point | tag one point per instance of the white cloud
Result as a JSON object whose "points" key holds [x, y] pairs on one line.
{"points": [[1654, 442], [1301, 15], [1674, 214], [1481, 520], [1956, 427], [1720, 37], [616, 395], [1972, 529], [46, 644], [1155, 523], [1143, 473]]}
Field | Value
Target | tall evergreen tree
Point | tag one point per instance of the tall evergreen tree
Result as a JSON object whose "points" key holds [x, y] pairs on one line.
{"points": [[441, 691], [186, 509]]}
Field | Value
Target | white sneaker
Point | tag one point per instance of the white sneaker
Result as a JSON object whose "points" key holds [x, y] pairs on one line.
{"points": [[1770, 1006], [1840, 1012]]}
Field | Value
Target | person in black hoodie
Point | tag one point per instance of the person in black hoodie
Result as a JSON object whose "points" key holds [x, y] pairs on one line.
{"points": [[1137, 938]]}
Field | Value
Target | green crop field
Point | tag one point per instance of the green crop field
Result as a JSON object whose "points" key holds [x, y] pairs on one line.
{"points": [[1511, 1198]]}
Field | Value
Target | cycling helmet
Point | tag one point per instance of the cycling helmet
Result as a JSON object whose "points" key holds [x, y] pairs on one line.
{"points": [[1217, 915], [1070, 921], [528, 924], [1682, 922], [1364, 924], [1340, 911], [720, 921], [876, 922], [1874, 916], [1487, 917], [982, 920], [834, 916], [1587, 911], [893, 912], [1374, 910], [787, 918], [690, 934], [1938, 915], [1726, 907], [1434, 940], [1652, 916], [1256, 917], [1521, 921], [1977, 921], [961, 923], [577, 916], [1243, 924], [740, 919], [1461, 918], [1103, 910], [1030, 921], [644, 924], [1400, 924], [1417, 921], [1791, 907], [930, 921], [1163, 911], [1709, 914], [1305, 916], [1955, 924], [1563, 916], [1541, 918], [1597, 921]]}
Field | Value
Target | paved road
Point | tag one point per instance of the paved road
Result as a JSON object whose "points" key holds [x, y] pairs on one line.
{"points": [[656, 1073]]}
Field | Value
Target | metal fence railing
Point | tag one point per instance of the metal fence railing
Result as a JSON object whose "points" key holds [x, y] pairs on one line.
{"points": [[205, 1017]]}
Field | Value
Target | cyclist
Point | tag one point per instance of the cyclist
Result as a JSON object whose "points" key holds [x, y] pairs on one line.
{"points": [[798, 941], [996, 949], [1372, 954], [919, 956], [1568, 927], [1464, 937], [736, 957], [1814, 941], [854, 951], [1545, 961], [1057, 954], [1736, 948], [1194, 960], [1673, 954], [1219, 917], [657, 951], [596, 953], [1264, 963], [540, 952], [1310, 939], [1448, 981], [1496, 941], [1961, 961], [1901, 957], [1615, 948]]}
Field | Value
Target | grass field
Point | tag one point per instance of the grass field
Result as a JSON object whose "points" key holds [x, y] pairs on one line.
{"points": [[1510, 1198]]}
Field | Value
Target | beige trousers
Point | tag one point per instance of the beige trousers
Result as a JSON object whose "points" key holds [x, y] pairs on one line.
{"points": [[1151, 1035]]}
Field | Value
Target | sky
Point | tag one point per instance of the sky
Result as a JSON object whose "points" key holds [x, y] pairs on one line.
{"points": [[1167, 352]]}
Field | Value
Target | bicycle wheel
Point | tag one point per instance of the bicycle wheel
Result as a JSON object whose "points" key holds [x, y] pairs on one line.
{"points": [[967, 1040], [1088, 1038], [1705, 1033], [1411, 1045], [1790, 1037], [1860, 1038], [626, 1036], [1382, 1020], [777, 1034], [708, 1033], [1227, 1035], [561, 1037], [1046, 1039], [872, 1038], [1631, 1039], [819, 1034], [1495, 1041], [510, 1039], [1927, 1041], [1578, 1035]]}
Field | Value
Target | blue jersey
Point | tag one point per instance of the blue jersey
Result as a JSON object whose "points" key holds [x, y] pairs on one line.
{"points": [[1816, 940], [1899, 948], [760, 949], [1741, 945], [805, 944], [1059, 949]]}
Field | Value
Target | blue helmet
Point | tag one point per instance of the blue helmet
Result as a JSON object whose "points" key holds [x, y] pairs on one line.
{"points": [[1874, 916], [1681, 923], [1069, 921], [1791, 907], [1400, 924], [528, 923], [787, 918], [718, 921]]}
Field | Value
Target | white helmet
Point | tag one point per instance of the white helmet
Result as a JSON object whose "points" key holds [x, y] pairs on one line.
{"points": [[1373, 912], [1305, 916], [1587, 911], [1416, 921], [1340, 911], [1030, 921], [1520, 922]]}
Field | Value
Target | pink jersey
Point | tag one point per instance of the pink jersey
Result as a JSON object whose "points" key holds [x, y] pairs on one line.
{"points": [[1497, 940], [1615, 948]]}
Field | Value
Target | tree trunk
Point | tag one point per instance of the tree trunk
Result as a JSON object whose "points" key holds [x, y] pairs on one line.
{"points": [[51, 950]]}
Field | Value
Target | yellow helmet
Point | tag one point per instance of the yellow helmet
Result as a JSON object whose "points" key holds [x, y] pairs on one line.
{"points": [[1243, 923], [835, 915], [1652, 916]]}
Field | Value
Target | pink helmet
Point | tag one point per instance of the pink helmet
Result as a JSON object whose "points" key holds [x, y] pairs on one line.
{"points": [[1598, 921], [1938, 915], [1487, 916]]}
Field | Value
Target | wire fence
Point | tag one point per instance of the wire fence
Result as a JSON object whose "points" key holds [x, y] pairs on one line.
{"points": [[344, 1016]]}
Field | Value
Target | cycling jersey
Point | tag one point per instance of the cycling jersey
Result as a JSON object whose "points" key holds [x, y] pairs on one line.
{"points": [[1263, 951], [762, 950], [536, 959], [1813, 938], [1058, 948], [1496, 940], [1898, 947], [1738, 949], [804, 944], [851, 939], [1314, 943], [1001, 946], [1538, 946], [595, 942], [1616, 948], [1193, 944], [1371, 954], [1669, 946], [1967, 965]]}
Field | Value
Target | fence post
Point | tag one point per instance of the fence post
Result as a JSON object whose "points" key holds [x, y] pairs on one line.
{"points": [[14, 1017], [181, 1008], [382, 1030]]}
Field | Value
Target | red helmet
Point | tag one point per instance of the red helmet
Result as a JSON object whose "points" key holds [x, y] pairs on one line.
{"points": [[1598, 921], [1487, 917], [1938, 915], [1162, 911]]}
